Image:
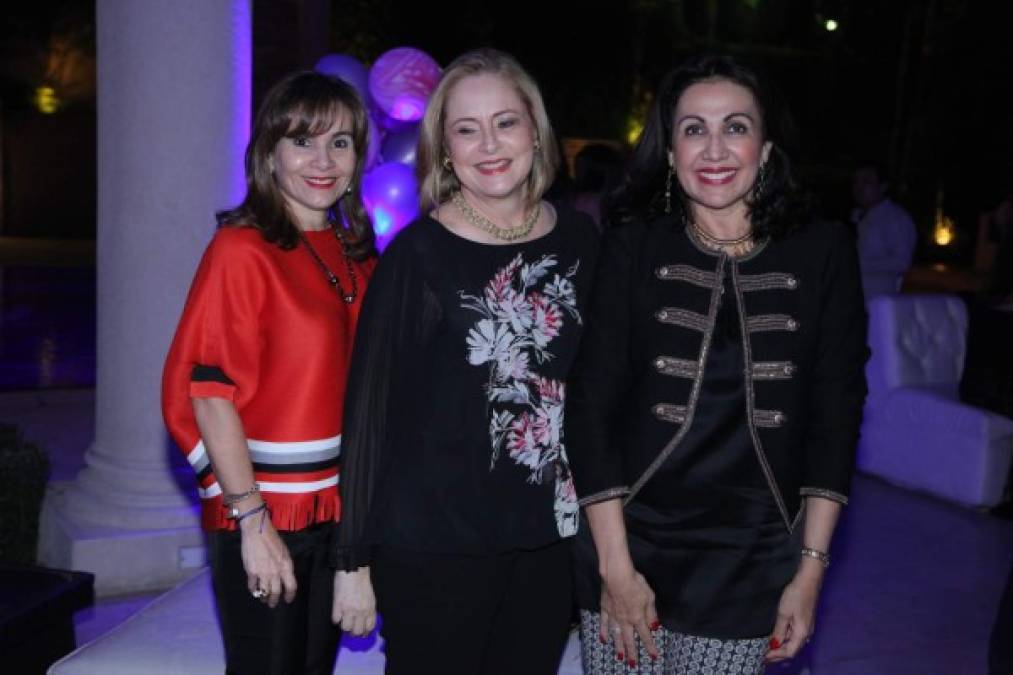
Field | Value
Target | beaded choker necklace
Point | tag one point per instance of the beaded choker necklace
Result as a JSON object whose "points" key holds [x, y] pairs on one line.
{"points": [[483, 223], [332, 278]]}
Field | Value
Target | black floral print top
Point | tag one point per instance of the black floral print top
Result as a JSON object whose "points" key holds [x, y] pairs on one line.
{"points": [[453, 439]]}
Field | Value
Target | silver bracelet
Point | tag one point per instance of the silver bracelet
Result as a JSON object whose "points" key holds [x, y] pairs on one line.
{"points": [[230, 499], [823, 558]]}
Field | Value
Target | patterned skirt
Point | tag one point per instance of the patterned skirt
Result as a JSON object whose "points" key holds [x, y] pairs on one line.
{"points": [[680, 654]]}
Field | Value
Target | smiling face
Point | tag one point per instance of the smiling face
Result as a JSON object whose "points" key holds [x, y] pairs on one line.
{"points": [[489, 137], [313, 171], [717, 145]]}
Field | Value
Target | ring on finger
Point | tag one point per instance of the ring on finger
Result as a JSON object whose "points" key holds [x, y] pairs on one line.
{"points": [[258, 593]]}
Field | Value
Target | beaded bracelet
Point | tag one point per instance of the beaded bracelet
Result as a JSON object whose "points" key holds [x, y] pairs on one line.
{"points": [[823, 558], [252, 512]]}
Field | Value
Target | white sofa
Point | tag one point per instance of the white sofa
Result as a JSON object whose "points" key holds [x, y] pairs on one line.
{"points": [[915, 432]]}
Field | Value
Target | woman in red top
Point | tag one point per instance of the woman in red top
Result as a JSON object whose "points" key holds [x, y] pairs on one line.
{"points": [[254, 381]]}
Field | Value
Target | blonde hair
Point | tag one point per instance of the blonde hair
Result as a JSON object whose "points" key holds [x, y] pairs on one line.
{"points": [[437, 182]]}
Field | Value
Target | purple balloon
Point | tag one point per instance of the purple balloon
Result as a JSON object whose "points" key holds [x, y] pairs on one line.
{"points": [[347, 69], [372, 144], [401, 80], [401, 146], [390, 194]]}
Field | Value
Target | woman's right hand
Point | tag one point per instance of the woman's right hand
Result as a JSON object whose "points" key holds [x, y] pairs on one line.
{"points": [[627, 608], [266, 560], [354, 606]]}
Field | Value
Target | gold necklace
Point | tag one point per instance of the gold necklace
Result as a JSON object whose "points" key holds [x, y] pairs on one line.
{"points": [[483, 223], [735, 247]]}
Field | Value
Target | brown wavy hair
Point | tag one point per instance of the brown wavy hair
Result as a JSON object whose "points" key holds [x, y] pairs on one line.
{"points": [[303, 104]]}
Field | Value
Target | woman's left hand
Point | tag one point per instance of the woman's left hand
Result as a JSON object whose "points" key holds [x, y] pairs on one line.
{"points": [[354, 605], [796, 613]]}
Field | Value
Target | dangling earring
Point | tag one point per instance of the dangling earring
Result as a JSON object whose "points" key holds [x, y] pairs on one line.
{"points": [[538, 145], [668, 190], [761, 181], [447, 163]]}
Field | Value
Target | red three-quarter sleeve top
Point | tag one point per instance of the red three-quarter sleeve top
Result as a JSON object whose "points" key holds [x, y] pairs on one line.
{"points": [[264, 328]]}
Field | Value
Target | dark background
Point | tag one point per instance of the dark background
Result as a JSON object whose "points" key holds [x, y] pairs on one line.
{"points": [[917, 85]]}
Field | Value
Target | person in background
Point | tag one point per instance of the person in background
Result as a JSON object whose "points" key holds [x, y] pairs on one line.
{"points": [[886, 233], [458, 501], [714, 408], [255, 376]]}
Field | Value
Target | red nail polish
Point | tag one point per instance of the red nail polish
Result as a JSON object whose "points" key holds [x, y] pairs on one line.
{"points": [[775, 643], [620, 656], [655, 625], [601, 638], [654, 657], [633, 663]]}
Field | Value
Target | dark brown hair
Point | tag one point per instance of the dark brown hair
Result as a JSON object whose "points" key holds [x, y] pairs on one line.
{"points": [[302, 104]]}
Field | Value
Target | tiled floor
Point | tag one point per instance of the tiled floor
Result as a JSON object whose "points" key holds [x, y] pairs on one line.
{"points": [[913, 589]]}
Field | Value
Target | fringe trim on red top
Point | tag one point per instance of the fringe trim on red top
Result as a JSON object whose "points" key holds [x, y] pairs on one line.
{"points": [[289, 512]]}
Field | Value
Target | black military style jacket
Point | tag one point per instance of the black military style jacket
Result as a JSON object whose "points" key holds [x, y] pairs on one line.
{"points": [[633, 391]]}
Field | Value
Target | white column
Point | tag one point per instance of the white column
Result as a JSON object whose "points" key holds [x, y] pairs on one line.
{"points": [[173, 122]]}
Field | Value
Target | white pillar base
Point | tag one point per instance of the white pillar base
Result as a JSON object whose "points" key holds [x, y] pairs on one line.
{"points": [[122, 560]]}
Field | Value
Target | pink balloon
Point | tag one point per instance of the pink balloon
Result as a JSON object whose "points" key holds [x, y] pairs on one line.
{"points": [[401, 80]]}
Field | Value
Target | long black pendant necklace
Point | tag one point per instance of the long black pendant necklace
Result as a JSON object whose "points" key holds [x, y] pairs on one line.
{"points": [[332, 278]]}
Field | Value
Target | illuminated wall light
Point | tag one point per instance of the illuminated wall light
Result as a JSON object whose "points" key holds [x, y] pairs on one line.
{"points": [[46, 100], [831, 25], [634, 127], [945, 231]]}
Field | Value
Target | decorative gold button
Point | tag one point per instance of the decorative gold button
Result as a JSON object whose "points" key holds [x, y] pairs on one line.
{"points": [[662, 314], [792, 282], [792, 325], [659, 363], [778, 418]]}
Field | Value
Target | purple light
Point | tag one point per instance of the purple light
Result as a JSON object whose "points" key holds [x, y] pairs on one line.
{"points": [[408, 108], [401, 80], [389, 192]]}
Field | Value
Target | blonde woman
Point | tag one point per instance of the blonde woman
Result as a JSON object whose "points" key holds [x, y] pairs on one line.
{"points": [[458, 499]]}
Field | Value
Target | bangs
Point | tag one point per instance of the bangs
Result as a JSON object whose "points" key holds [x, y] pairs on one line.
{"points": [[313, 118]]}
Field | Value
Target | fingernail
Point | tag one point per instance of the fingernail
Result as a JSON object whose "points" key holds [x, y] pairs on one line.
{"points": [[601, 638], [632, 663], [655, 625], [620, 657], [775, 643], [654, 657]]}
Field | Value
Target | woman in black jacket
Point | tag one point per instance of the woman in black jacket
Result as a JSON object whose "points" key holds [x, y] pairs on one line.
{"points": [[715, 405]]}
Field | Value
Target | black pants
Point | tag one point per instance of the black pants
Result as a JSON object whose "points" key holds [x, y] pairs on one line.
{"points": [[291, 638], [474, 615]]}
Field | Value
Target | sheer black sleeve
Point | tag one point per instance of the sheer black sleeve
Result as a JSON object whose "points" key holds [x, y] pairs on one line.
{"points": [[398, 311], [601, 376]]}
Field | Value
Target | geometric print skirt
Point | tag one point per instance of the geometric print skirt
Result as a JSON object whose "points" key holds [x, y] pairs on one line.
{"points": [[679, 654]]}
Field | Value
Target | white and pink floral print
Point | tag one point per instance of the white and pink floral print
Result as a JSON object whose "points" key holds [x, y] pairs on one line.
{"points": [[522, 310]]}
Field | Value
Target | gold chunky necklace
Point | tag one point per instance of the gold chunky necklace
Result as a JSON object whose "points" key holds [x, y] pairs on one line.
{"points": [[735, 247], [483, 223]]}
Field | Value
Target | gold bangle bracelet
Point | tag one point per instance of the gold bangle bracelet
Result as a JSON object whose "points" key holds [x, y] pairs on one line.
{"points": [[823, 558]]}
